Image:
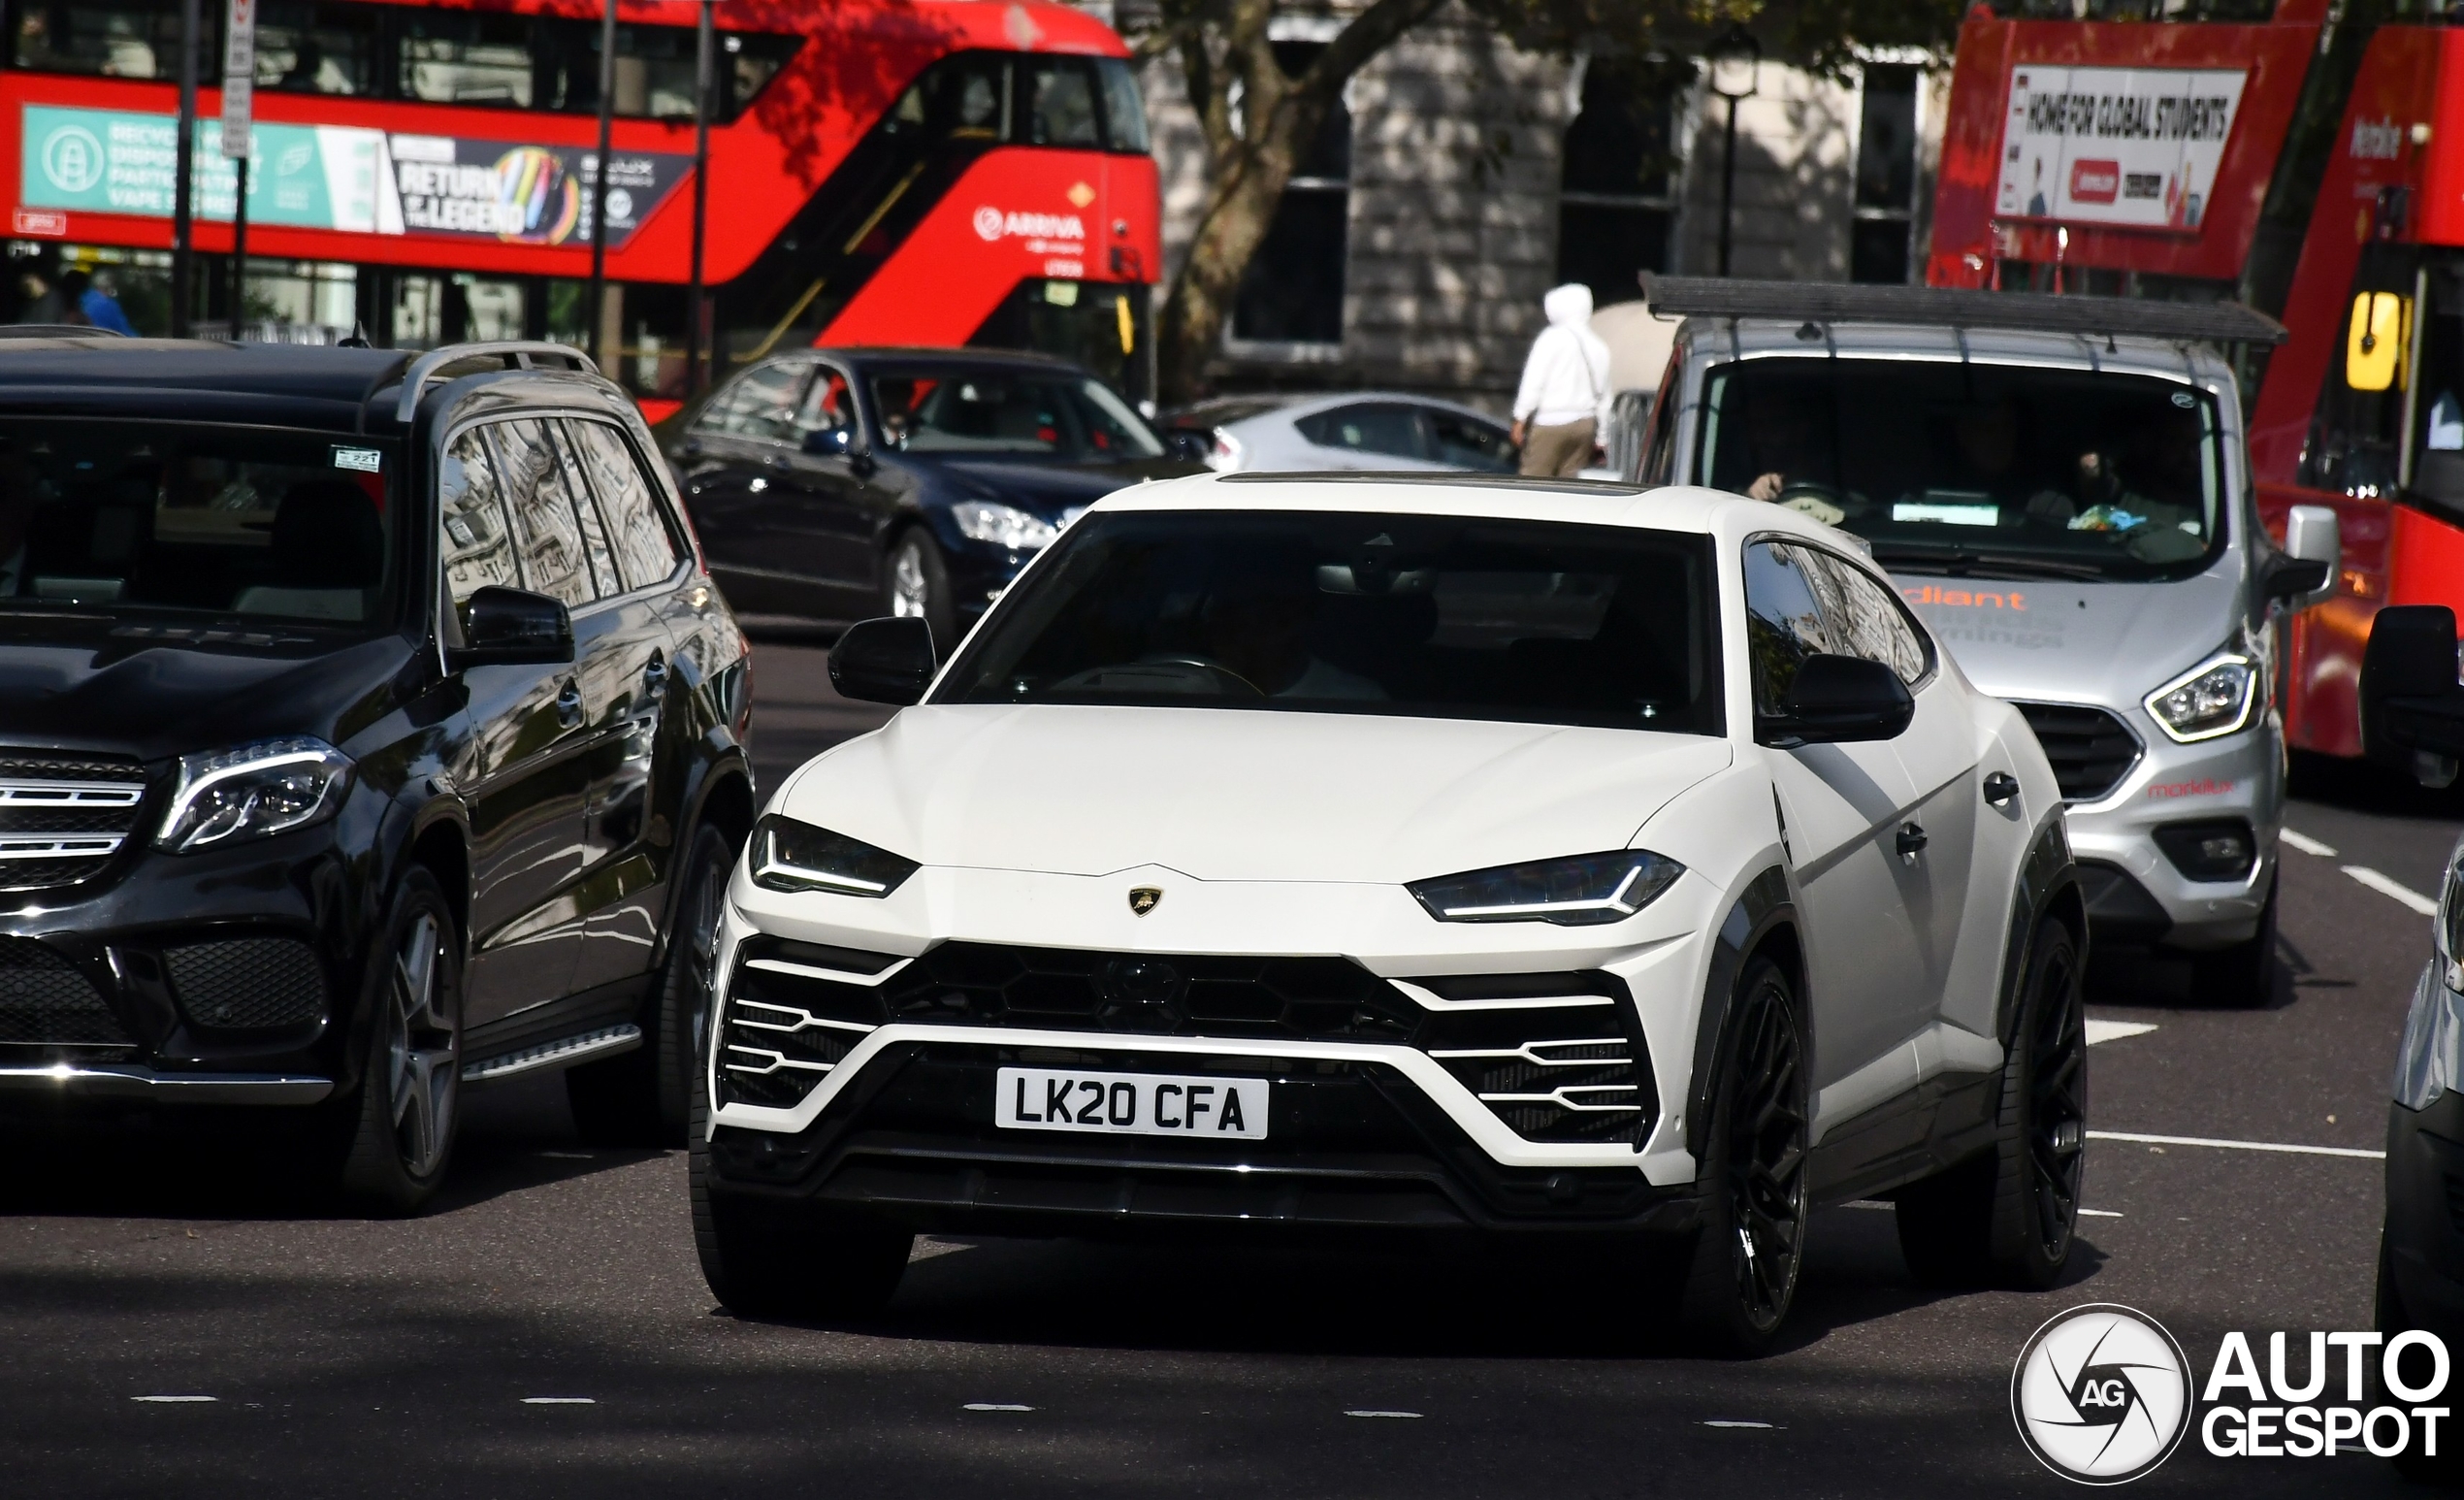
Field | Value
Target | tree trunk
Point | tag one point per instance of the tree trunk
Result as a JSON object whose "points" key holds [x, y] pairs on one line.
{"points": [[1238, 215]]}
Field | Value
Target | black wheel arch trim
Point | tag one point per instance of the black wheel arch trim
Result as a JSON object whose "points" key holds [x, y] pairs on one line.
{"points": [[2048, 884], [1764, 907]]}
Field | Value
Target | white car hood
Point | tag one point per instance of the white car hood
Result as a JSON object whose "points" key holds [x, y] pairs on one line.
{"points": [[1240, 795]]}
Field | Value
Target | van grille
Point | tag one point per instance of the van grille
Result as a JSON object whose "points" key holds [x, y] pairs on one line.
{"points": [[64, 820], [2091, 750]]}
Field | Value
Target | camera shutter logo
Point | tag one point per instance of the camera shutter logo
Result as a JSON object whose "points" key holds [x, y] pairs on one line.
{"points": [[2102, 1394], [73, 158]]}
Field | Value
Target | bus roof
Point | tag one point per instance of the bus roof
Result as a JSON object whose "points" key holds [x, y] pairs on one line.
{"points": [[1819, 302]]}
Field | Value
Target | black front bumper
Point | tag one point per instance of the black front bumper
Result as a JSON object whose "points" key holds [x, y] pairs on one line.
{"points": [[2425, 1212], [1351, 1145]]}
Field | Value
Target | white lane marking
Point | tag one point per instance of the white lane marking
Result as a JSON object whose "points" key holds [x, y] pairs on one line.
{"points": [[2116, 1030], [1758, 1426], [1364, 1412], [2306, 844], [997, 1406], [559, 1401], [2390, 888], [2198, 1140], [2091, 1212], [2098, 1213], [174, 1400]]}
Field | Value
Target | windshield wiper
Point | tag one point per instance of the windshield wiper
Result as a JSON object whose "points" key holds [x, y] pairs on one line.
{"points": [[1959, 562]]}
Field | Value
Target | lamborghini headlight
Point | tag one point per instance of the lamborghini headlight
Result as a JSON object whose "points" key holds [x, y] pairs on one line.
{"points": [[793, 855], [1580, 891]]}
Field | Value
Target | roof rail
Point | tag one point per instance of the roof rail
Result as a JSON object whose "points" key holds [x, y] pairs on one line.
{"points": [[57, 331], [1819, 301], [517, 354]]}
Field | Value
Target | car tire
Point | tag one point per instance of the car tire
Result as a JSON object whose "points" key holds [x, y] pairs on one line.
{"points": [[916, 582], [2243, 975], [2006, 1218], [395, 1131], [1740, 1276], [642, 1098], [787, 1259]]}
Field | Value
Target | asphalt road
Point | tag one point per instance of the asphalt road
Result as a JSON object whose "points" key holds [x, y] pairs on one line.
{"points": [[352, 1356]]}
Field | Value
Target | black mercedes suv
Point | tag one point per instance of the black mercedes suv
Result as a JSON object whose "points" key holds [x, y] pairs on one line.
{"points": [[370, 730]]}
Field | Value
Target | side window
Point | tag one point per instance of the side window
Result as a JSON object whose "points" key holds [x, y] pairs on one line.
{"points": [[1784, 620], [1371, 427], [1060, 102], [547, 530], [646, 550], [475, 544], [1864, 618], [1459, 440], [595, 545], [1660, 443], [762, 404], [827, 407]]}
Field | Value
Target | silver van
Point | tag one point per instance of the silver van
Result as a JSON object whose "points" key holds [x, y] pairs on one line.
{"points": [[2060, 489]]}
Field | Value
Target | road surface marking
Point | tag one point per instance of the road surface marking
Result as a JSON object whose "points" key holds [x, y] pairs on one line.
{"points": [[1367, 1412], [2306, 844], [2385, 887], [559, 1401], [2196, 1140], [2098, 1213], [2116, 1030], [1758, 1426], [2091, 1212], [997, 1406], [174, 1400]]}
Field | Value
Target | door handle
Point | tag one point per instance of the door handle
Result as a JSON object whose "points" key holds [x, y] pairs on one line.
{"points": [[774, 461], [1911, 840], [655, 676], [2000, 786], [569, 703]]}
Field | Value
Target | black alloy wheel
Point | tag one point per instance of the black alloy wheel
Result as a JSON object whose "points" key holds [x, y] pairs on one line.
{"points": [[643, 1097], [1743, 1271], [398, 1126], [2007, 1217]]}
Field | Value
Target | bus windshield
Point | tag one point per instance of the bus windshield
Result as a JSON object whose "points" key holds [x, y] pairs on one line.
{"points": [[1986, 470]]}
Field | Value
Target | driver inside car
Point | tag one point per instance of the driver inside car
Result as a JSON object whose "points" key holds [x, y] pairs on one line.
{"points": [[1256, 625], [1789, 452]]}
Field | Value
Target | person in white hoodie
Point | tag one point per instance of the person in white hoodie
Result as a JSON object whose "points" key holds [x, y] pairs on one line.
{"points": [[1563, 405]]}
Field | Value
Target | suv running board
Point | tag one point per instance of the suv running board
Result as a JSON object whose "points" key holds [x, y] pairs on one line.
{"points": [[604, 1042]]}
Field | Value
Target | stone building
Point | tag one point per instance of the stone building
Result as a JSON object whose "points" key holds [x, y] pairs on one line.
{"points": [[1465, 177]]}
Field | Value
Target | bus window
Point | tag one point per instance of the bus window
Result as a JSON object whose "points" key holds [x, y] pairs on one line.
{"points": [[121, 39], [654, 68], [957, 99], [1060, 102], [1124, 109], [306, 47], [752, 59], [2358, 429], [466, 57], [2437, 433]]}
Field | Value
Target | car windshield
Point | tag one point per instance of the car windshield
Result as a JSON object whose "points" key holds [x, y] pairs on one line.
{"points": [[961, 411], [1427, 616], [245, 521], [1990, 470]]}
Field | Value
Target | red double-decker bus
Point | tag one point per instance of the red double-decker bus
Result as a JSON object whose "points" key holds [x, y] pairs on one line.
{"points": [[2259, 150], [920, 172]]}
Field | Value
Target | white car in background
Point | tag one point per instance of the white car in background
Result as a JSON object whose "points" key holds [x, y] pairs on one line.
{"points": [[1363, 430], [1408, 854]]}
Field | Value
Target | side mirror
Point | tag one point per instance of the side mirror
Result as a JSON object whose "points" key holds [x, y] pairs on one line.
{"points": [[884, 661], [2412, 704], [1835, 699], [1186, 447], [513, 627], [2314, 553], [830, 441]]}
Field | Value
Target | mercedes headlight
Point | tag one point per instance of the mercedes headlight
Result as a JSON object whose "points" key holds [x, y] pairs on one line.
{"points": [[2212, 699], [793, 855], [1581, 891], [270, 786], [1003, 526]]}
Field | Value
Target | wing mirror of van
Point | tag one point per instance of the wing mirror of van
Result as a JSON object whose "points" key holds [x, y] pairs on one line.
{"points": [[513, 627], [1835, 699], [2412, 704], [884, 661], [2305, 572]]}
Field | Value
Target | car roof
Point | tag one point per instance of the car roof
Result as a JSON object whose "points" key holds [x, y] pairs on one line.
{"points": [[879, 357], [1746, 338], [1506, 498]]}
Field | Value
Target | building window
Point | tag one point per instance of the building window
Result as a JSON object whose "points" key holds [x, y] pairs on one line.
{"points": [[1617, 203], [1294, 291], [1878, 243]]}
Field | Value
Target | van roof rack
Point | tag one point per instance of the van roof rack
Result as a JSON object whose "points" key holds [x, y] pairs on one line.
{"points": [[1827, 302], [517, 354]]}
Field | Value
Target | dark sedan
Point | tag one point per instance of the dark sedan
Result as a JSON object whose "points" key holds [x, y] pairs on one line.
{"points": [[839, 484]]}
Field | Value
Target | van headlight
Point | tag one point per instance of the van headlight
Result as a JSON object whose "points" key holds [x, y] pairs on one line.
{"points": [[1003, 526], [270, 786], [1581, 891], [793, 855], [2211, 700]]}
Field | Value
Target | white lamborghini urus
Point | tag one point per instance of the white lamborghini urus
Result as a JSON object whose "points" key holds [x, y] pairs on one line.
{"points": [[1407, 854]]}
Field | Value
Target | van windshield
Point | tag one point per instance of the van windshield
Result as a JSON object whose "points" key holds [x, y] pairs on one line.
{"points": [[220, 520], [1972, 470]]}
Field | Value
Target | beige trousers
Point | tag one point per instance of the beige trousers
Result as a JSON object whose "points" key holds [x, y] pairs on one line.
{"points": [[1558, 451]]}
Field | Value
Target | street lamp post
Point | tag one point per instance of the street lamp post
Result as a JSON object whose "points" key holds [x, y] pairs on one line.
{"points": [[696, 316], [1735, 59], [184, 168], [598, 183]]}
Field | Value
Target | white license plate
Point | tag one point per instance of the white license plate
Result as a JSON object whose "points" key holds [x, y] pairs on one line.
{"points": [[1034, 1098]]}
